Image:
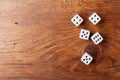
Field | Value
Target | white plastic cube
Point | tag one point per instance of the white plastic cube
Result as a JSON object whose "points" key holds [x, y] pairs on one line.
{"points": [[95, 18], [77, 20], [84, 34], [97, 38], [86, 58]]}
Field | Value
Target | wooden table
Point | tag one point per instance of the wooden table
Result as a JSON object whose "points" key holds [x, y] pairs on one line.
{"points": [[39, 42]]}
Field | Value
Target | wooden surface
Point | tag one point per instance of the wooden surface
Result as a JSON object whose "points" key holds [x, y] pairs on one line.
{"points": [[39, 42]]}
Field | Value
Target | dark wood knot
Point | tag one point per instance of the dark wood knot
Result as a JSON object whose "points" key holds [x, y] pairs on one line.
{"points": [[92, 49]]}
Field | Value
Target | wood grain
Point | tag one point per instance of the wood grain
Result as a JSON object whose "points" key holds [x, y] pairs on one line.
{"points": [[39, 42]]}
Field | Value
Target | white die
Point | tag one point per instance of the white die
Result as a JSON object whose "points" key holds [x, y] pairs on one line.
{"points": [[97, 38], [86, 58], [84, 34], [77, 20], [95, 18]]}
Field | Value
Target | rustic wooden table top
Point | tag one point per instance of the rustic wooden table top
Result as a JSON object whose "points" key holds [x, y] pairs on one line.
{"points": [[39, 42]]}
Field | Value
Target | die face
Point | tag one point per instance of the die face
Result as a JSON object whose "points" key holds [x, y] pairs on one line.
{"points": [[86, 58], [77, 20], [84, 34], [97, 38], [95, 18]]}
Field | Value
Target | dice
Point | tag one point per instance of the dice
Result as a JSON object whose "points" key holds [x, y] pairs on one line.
{"points": [[84, 34], [97, 38], [95, 18], [86, 58], [77, 20]]}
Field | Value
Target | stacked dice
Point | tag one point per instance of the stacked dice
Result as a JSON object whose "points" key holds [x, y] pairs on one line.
{"points": [[85, 34]]}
